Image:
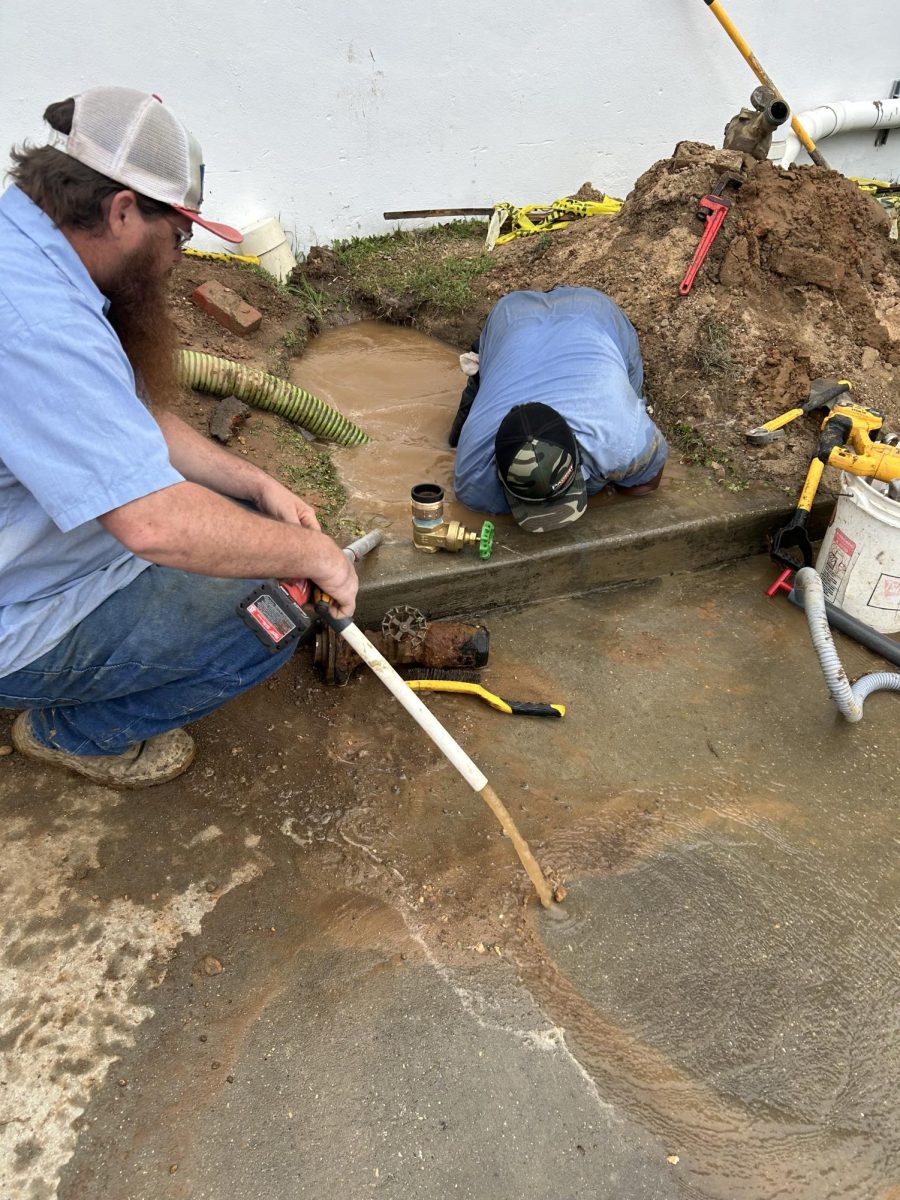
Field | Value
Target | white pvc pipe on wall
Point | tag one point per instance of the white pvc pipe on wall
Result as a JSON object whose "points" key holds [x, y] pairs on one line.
{"points": [[841, 116]]}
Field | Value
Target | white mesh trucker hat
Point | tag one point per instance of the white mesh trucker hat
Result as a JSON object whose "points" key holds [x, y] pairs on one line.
{"points": [[132, 138]]}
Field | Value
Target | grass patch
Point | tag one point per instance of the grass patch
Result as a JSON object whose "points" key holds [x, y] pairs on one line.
{"points": [[713, 352], [306, 298], [313, 302], [433, 267], [310, 472], [289, 346], [697, 450]]}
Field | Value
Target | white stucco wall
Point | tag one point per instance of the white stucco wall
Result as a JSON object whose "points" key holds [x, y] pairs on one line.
{"points": [[327, 114]]}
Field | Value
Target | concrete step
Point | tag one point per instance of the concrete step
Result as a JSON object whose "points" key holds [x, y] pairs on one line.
{"points": [[692, 522]]}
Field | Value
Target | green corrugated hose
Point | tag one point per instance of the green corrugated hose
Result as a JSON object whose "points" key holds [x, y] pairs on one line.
{"points": [[222, 377]]}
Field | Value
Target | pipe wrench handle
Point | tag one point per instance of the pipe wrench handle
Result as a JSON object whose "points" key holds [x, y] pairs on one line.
{"points": [[718, 211]]}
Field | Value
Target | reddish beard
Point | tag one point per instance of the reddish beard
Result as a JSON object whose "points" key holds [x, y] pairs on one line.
{"points": [[138, 312]]}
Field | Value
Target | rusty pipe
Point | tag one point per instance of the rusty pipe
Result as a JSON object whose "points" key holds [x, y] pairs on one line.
{"points": [[449, 645]]}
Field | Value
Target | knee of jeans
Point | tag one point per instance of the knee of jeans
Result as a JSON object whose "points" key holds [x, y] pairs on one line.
{"points": [[212, 624]]}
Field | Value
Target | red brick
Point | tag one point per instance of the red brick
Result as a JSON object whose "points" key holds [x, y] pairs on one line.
{"points": [[227, 308]]}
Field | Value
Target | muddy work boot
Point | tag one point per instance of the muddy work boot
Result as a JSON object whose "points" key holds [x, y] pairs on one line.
{"points": [[154, 761]]}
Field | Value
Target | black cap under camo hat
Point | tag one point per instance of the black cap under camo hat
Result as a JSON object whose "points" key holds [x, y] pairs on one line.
{"points": [[540, 468]]}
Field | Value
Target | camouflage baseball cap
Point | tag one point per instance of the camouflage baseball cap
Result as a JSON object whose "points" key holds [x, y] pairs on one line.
{"points": [[540, 468]]}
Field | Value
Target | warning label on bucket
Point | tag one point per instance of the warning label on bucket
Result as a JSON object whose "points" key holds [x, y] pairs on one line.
{"points": [[837, 561], [886, 593]]}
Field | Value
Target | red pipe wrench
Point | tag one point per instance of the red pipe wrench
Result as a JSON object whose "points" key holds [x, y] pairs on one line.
{"points": [[713, 210]]}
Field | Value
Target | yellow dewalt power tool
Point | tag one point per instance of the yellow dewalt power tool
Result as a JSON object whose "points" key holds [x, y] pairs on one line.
{"points": [[850, 439]]}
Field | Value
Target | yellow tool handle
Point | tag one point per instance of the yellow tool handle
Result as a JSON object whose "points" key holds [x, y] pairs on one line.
{"points": [[756, 67], [811, 484], [778, 423], [762, 435], [510, 707]]}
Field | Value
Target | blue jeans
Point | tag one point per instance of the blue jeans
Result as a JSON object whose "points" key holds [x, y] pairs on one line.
{"points": [[165, 650]]}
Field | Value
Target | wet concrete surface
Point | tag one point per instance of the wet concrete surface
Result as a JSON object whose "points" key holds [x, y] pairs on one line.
{"points": [[313, 965]]}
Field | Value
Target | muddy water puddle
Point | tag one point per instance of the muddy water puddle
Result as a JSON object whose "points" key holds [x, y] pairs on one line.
{"points": [[403, 388]]}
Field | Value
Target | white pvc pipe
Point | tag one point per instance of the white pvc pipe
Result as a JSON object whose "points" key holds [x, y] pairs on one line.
{"points": [[841, 116], [268, 241], [455, 754], [363, 545], [422, 715]]}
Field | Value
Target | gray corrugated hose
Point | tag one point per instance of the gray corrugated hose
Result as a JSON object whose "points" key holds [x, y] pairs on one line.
{"points": [[848, 697], [222, 377]]}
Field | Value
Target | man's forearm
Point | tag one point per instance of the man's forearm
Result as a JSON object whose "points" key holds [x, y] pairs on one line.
{"points": [[201, 461], [193, 529]]}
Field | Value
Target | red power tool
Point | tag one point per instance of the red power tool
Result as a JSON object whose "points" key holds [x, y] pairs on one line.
{"points": [[275, 610], [713, 209]]}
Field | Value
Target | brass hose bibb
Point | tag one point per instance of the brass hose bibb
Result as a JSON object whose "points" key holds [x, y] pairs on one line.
{"points": [[431, 532]]}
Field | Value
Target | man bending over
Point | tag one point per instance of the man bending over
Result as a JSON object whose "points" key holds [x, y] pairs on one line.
{"points": [[554, 412]]}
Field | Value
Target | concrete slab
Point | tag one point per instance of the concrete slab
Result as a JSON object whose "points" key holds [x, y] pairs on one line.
{"points": [[312, 964], [361, 1066], [691, 523]]}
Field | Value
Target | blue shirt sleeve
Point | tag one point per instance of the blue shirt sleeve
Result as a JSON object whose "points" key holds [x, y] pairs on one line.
{"points": [[475, 480], [74, 432]]}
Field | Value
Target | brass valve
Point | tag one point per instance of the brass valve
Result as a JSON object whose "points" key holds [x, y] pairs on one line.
{"points": [[431, 532]]}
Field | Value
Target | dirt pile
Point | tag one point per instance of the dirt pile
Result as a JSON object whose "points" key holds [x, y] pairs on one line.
{"points": [[801, 282]]}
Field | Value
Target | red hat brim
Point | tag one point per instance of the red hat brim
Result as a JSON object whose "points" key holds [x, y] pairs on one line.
{"points": [[225, 232]]}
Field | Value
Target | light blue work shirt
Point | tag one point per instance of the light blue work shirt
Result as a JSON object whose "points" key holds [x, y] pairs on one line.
{"points": [[575, 350], [75, 439]]}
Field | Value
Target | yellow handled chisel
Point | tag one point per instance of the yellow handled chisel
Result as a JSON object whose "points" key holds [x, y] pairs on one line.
{"points": [[520, 708]]}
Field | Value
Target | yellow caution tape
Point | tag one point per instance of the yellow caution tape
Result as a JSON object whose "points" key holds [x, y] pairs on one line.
{"points": [[553, 216], [870, 185], [223, 256], [884, 192]]}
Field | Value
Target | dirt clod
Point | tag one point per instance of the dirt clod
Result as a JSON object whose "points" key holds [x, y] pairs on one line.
{"points": [[227, 418]]}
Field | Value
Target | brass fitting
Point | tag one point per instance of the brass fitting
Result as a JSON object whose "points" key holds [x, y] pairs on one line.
{"points": [[750, 132], [431, 532]]}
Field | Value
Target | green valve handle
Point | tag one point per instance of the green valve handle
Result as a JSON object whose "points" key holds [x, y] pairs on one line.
{"points": [[486, 541]]}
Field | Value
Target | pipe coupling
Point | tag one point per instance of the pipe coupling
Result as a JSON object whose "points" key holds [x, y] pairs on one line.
{"points": [[432, 533]]}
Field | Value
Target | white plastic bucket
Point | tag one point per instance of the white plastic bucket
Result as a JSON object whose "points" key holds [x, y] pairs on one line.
{"points": [[859, 560], [266, 239]]}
